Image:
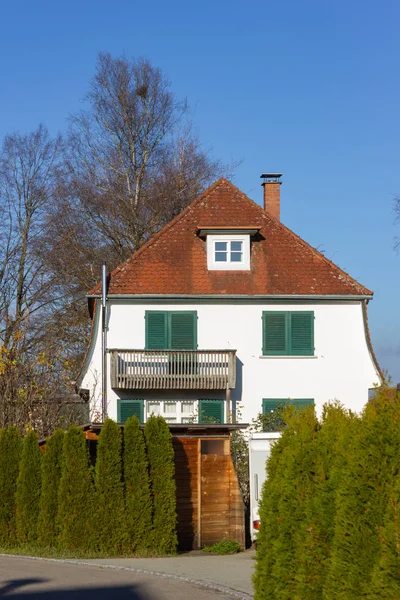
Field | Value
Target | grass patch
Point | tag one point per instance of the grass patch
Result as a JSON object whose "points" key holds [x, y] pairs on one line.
{"points": [[32, 550], [224, 547]]}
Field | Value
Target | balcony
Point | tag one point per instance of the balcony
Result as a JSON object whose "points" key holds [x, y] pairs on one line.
{"points": [[173, 369]]}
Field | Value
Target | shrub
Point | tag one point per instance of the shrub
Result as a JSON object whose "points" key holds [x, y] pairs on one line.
{"points": [[386, 572], [160, 454], [362, 498], [28, 489], [75, 496], [138, 500], [224, 547], [51, 475], [10, 456], [110, 515]]}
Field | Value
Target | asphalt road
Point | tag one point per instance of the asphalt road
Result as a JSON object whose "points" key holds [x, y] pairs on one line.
{"points": [[30, 579]]}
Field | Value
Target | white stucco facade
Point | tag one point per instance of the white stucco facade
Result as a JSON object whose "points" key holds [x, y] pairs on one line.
{"points": [[342, 366]]}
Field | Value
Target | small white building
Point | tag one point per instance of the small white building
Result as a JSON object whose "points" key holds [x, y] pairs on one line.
{"points": [[226, 313]]}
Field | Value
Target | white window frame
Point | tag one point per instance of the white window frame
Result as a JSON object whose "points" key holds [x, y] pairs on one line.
{"points": [[213, 265], [178, 415]]}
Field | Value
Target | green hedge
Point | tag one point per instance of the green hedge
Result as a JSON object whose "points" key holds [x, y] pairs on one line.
{"points": [[109, 497], [28, 489], [10, 456], [329, 506], [138, 499], [163, 487], [76, 495], [51, 475], [125, 503]]}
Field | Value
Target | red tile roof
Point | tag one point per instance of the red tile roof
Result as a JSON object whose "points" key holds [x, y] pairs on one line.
{"points": [[174, 261]]}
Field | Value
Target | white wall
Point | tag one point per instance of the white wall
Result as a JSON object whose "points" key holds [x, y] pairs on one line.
{"points": [[341, 369]]}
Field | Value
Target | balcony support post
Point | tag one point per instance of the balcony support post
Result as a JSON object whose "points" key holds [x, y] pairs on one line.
{"points": [[228, 404]]}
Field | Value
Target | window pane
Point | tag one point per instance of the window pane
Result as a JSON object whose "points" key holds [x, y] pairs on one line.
{"points": [[186, 420], [170, 407], [170, 420], [236, 257], [153, 408], [237, 246], [220, 246], [187, 407], [221, 256]]}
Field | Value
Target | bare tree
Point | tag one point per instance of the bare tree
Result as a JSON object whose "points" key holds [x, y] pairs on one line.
{"points": [[132, 163], [28, 165], [127, 140], [31, 383]]}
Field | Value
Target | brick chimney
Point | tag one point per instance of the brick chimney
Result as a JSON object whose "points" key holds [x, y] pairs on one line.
{"points": [[272, 194]]}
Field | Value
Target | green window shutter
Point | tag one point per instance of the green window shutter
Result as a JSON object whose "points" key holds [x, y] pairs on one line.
{"points": [[182, 330], [269, 406], [156, 330], [275, 333], [211, 411], [302, 333], [128, 408]]}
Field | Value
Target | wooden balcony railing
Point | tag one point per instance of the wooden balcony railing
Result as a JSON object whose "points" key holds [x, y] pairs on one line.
{"points": [[173, 369]]}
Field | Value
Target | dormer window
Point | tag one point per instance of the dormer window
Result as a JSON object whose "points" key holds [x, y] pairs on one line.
{"points": [[228, 248], [228, 252]]}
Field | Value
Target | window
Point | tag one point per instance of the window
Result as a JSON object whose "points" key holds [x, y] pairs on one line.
{"points": [[211, 411], [128, 408], [288, 333], [173, 411], [171, 330], [270, 407], [228, 252]]}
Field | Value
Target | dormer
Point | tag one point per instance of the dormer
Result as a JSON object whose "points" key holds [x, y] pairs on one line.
{"points": [[228, 248]]}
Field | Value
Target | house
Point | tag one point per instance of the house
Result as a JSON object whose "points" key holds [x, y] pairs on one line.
{"points": [[226, 313]]}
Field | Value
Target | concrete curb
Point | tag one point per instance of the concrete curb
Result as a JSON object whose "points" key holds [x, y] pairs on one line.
{"points": [[202, 583]]}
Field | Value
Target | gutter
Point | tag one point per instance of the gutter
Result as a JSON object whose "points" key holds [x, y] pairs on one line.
{"points": [[237, 297]]}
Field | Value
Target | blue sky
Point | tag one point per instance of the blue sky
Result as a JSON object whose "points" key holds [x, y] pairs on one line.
{"points": [[310, 89]]}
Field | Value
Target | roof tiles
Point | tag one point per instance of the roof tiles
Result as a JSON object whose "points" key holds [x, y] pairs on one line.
{"points": [[174, 261]]}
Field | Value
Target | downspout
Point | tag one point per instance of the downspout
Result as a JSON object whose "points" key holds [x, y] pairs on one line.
{"points": [[104, 342]]}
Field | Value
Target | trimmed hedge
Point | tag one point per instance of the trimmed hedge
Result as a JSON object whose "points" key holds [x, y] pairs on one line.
{"points": [[126, 503], [329, 506], [10, 456], [76, 495], [27, 496], [51, 475], [110, 517], [160, 453], [138, 499]]}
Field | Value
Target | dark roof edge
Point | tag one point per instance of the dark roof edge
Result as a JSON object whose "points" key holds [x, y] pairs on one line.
{"points": [[226, 297]]}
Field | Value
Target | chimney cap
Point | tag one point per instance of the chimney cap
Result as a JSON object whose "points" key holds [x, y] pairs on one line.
{"points": [[271, 176]]}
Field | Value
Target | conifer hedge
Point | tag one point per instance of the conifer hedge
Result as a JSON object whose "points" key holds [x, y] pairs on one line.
{"points": [[138, 499], [160, 454], [10, 456], [51, 476], [109, 498], [76, 495], [329, 507], [27, 496]]}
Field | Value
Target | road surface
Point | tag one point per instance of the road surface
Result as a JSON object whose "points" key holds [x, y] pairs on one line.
{"points": [[36, 579]]}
